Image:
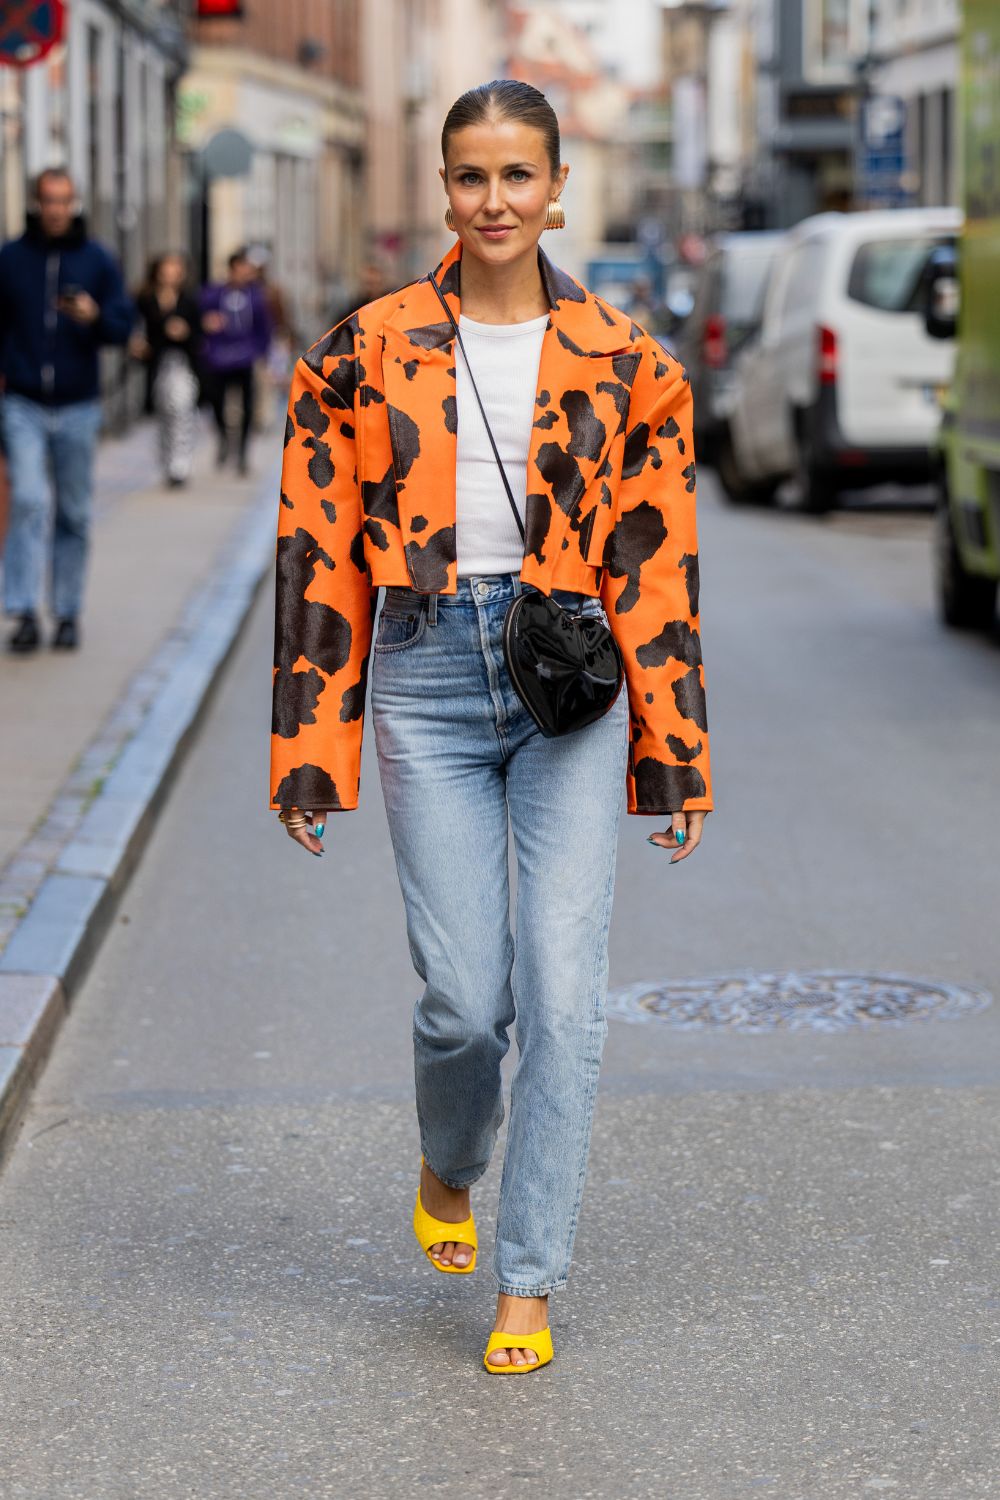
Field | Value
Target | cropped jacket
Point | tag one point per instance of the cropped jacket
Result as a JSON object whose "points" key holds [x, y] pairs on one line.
{"points": [[368, 500]]}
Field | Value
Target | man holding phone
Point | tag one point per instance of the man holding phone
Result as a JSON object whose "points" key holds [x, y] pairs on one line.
{"points": [[61, 298]]}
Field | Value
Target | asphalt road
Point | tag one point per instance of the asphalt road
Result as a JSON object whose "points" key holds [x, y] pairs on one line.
{"points": [[786, 1280]]}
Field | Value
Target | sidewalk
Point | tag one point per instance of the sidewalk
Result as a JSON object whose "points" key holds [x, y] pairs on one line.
{"points": [[67, 715]]}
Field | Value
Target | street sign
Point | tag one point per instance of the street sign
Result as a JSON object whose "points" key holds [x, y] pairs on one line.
{"points": [[229, 153], [881, 166], [29, 29]]}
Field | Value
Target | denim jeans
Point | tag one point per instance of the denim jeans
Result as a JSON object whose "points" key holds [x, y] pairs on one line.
{"points": [[48, 440], [458, 753]]}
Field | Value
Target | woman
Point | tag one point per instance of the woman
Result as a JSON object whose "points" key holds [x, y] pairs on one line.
{"points": [[170, 339], [389, 480]]}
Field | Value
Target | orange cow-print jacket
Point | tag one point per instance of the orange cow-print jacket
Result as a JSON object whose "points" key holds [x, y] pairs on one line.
{"points": [[368, 499]]}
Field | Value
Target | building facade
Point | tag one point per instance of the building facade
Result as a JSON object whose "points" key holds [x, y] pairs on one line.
{"points": [[102, 103], [916, 59], [272, 121]]}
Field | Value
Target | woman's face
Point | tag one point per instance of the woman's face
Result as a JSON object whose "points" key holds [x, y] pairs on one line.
{"points": [[171, 272], [498, 178]]}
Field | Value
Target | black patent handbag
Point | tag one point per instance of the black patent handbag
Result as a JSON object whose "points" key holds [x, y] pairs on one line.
{"points": [[565, 666]]}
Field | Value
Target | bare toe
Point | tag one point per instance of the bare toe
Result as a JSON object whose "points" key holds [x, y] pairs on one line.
{"points": [[530, 1356], [500, 1357], [435, 1250], [463, 1254]]}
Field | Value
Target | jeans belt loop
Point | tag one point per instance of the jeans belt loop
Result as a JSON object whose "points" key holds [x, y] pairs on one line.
{"points": [[432, 609]]}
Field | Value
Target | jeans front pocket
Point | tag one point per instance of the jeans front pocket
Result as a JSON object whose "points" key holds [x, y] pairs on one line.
{"points": [[399, 627]]}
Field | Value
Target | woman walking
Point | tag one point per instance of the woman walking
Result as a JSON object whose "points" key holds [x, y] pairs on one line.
{"points": [[170, 339], [391, 480]]}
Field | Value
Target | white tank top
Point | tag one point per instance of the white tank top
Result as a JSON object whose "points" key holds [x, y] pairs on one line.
{"points": [[504, 359]]}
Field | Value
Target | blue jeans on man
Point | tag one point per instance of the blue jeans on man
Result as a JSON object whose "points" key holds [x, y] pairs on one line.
{"points": [[43, 442]]}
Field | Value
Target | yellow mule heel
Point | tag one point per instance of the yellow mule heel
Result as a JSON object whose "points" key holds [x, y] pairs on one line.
{"points": [[430, 1231], [540, 1342]]}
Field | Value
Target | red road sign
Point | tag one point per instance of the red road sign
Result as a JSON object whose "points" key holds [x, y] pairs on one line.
{"points": [[29, 29]]}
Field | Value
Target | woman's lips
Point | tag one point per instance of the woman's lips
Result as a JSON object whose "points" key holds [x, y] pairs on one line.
{"points": [[499, 233]]}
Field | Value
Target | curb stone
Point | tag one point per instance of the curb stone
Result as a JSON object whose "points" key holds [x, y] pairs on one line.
{"points": [[50, 949]]}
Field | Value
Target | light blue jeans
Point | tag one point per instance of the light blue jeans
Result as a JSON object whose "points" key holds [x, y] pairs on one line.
{"points": [[41, 441], [458, 752]]}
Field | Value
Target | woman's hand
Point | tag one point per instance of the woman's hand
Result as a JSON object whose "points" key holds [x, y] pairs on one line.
{"points": [[176, 328], [138, 346], [306, 828], [684, 835]]}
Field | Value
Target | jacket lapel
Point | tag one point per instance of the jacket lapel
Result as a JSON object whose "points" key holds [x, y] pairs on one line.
{"points": [[581, 401]]}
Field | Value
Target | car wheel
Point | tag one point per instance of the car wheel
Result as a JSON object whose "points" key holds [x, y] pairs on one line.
{"points": [[739, 490], [966, 601], [815, 487]]}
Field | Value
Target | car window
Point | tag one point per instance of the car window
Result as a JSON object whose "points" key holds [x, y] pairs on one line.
{"points": [[801, 284], [887, 274], [745, 274]]}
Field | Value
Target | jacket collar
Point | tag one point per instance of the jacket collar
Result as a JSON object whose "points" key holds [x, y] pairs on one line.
{"points": [[573, 310]]}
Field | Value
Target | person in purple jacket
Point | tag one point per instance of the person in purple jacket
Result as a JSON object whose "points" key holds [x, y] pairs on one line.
{"points": [[237, 329]]}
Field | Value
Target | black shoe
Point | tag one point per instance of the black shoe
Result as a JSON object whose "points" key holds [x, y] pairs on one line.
{"points": [[223, 453], [176, 482], [66, 637], [243, 465], [25, 637]]}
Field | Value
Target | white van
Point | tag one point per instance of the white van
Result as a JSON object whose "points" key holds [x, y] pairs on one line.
{"points": [[841, 386]]}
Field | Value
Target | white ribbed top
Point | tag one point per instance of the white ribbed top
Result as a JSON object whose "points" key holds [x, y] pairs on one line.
{"points": [[504, 359]]}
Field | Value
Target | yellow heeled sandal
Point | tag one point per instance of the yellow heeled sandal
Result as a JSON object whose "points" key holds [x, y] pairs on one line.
{"points": [[540, 1342], [430, 1231]]}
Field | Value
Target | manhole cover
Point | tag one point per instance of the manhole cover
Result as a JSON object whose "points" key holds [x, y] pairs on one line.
{"points": [[794, 1001]]}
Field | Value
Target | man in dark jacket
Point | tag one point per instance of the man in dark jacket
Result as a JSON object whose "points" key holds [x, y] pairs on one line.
{"points": [[61, 298]]}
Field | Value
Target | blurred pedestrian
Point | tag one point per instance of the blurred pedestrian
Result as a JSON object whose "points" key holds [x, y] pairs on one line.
{"points": [[393, 478], [237, 327], [61, 298], [645, 308], [373, 283], [170, 340], [275, 368]]}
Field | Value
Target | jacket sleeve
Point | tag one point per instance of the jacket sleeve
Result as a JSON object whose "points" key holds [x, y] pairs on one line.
{"points": [[324, 604], [649, 589], [118, 311]]}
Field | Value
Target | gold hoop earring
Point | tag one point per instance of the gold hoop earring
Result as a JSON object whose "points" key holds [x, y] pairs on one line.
{"points": [[449, 217], [555, 216]]}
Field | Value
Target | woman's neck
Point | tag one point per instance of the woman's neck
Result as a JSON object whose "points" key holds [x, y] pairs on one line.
{"points": [[512, 293]]}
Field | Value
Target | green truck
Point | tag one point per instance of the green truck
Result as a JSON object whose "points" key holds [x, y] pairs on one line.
{"points": [[967, 533]]}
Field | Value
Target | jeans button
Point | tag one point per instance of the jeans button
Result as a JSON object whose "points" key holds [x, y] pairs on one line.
{"points": [[483, 588]]}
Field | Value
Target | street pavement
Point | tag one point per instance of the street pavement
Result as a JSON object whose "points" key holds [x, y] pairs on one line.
{"points": [[786, 1278]]}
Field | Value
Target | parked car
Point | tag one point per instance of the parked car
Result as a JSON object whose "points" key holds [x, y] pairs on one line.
{"points": [[840, 387], [725, 312]]}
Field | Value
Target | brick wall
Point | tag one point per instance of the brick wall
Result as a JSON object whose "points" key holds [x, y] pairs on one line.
{"points": [[278, 29]]}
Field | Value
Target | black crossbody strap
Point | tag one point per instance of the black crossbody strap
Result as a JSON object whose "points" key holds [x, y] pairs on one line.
{"points": [[489, 432]]}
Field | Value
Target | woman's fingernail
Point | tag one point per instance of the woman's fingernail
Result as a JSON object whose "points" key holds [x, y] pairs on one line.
{"points": [[679, 835], [320, 829], [651, 839]]}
